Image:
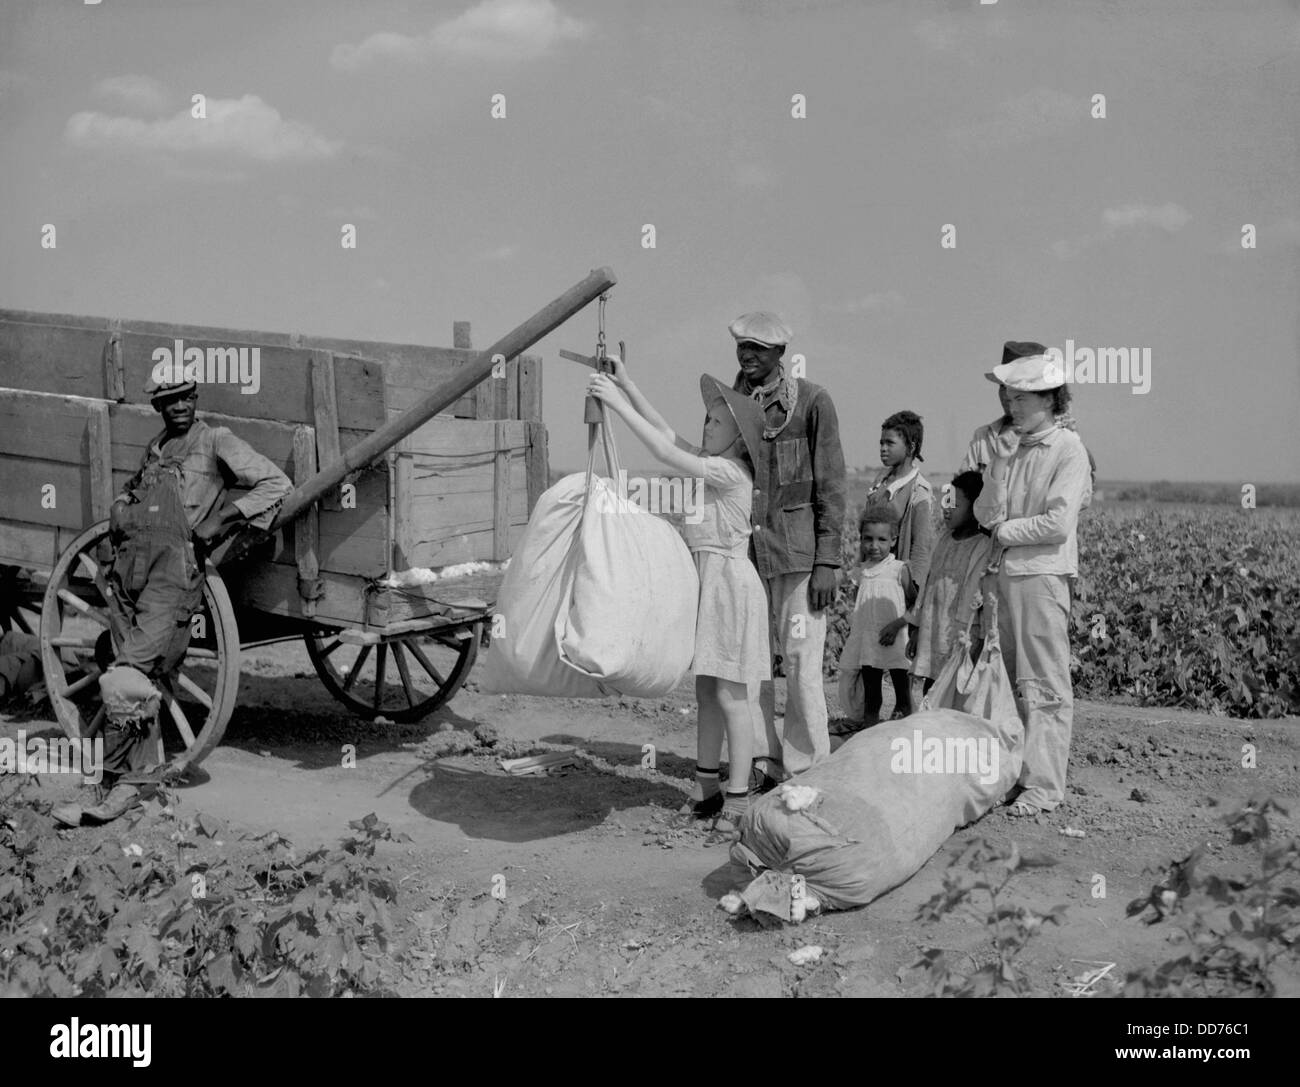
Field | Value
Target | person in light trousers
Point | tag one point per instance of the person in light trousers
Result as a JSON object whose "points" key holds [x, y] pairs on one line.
{"points": [[1030, 503]]}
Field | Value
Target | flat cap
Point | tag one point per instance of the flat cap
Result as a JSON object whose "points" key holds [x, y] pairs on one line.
{"points": [[156, 388], [761, 327]]}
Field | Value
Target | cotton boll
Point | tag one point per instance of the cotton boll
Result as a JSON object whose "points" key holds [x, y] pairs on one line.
{"points": [[732, 903], [806, 954], [798, 797]]}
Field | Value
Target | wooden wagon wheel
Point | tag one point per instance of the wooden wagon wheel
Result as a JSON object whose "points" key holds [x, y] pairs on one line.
{"points": [[430, 666], [77, 644]]}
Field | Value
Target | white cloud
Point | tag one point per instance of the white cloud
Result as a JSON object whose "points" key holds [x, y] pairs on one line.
{"points": [[138, 93], [240, 127], [876, 302], [501, 252], [1170, 218], [503, 30]]}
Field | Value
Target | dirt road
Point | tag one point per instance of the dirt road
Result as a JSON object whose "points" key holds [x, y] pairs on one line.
{"points": [[603, 897]]}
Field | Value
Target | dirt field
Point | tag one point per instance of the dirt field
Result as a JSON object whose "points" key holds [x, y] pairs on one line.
{"points": [[602, 897]]}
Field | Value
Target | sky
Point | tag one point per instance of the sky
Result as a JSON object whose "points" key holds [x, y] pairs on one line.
{"points": [[1117, 231]]}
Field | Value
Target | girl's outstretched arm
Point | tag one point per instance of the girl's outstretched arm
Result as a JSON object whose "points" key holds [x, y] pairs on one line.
{"points": [[668, 448], [643, 407]]}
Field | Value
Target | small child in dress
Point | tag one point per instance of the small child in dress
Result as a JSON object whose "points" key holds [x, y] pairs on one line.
{"points": [[732, 653], [884, 593], [950, 596]]}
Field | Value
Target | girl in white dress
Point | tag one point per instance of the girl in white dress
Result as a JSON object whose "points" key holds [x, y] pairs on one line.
{"points": [[732, 655], [884, 593]]}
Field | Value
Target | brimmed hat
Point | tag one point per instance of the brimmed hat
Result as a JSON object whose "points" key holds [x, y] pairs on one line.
{"points": [[745, 411], [1034, 374], [761, 327], [1021, 349], [159, 390]]}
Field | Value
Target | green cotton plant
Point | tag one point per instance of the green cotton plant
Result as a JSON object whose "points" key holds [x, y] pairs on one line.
{"points": [[1235, 934], [133, 921], [976, 880]]}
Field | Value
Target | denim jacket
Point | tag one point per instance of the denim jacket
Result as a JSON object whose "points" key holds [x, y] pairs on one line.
{"points": [[799, 492]]}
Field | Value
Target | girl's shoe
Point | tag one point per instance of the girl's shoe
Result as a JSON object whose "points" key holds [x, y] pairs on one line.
{"points": [[702, 809], [1022, 809], [727, 824]]}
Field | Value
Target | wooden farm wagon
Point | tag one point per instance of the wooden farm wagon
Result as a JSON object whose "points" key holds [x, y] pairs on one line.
{"points": [[402, 457]]}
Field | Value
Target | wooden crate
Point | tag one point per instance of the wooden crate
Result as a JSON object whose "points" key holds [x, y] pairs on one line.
{"points": [[74, 423]]}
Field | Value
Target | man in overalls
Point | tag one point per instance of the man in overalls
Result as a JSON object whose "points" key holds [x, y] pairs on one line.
{"points": [[170, 514]]}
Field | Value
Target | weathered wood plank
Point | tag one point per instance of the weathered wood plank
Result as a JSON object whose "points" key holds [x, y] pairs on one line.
{"points": [[22, 493], [99, 453], [501, 499], [434, 478], [403, 490], [462, 438], [45, 426], [472, 545], [35, 546], [538, 461], [530, 389], [283, 388], [306, 529], [114, 375], [510, 409]]}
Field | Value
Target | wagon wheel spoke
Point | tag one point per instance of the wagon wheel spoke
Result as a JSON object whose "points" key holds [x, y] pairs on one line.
{"points": [[80, 685], [199, 653], [200, 695], [97, 575], [97, 720], [426, 663], [356, 668], [381, 659], [95, 614], [178, 716], [404, 672], [331, 647], [67, 641]]}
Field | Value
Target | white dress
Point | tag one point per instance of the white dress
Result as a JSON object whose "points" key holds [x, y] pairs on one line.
{"points": [[731, 630], [881, 599]]}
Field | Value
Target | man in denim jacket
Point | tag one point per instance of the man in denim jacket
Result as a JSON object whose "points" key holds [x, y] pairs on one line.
{"points": [[798, 513]]}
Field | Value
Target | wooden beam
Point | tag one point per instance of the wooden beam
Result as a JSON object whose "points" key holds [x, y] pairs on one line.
{"points": [[501, 497], [306, 530], [537, 460], [114, 375], [99, 454], [325, 413], [403, 489], [530, 389]]}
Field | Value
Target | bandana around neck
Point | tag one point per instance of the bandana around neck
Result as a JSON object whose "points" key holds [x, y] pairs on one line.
{"points": [[1040, 436], [786, 391]]}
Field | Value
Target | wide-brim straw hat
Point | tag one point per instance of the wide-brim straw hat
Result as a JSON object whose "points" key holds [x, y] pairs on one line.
{"points": [[745, 411]]}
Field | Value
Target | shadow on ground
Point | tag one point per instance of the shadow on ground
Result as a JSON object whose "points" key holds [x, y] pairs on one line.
{"points": [[492, 805]]}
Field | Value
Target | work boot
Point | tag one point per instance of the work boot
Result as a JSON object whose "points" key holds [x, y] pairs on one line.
{"points": [[120, 799]]}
